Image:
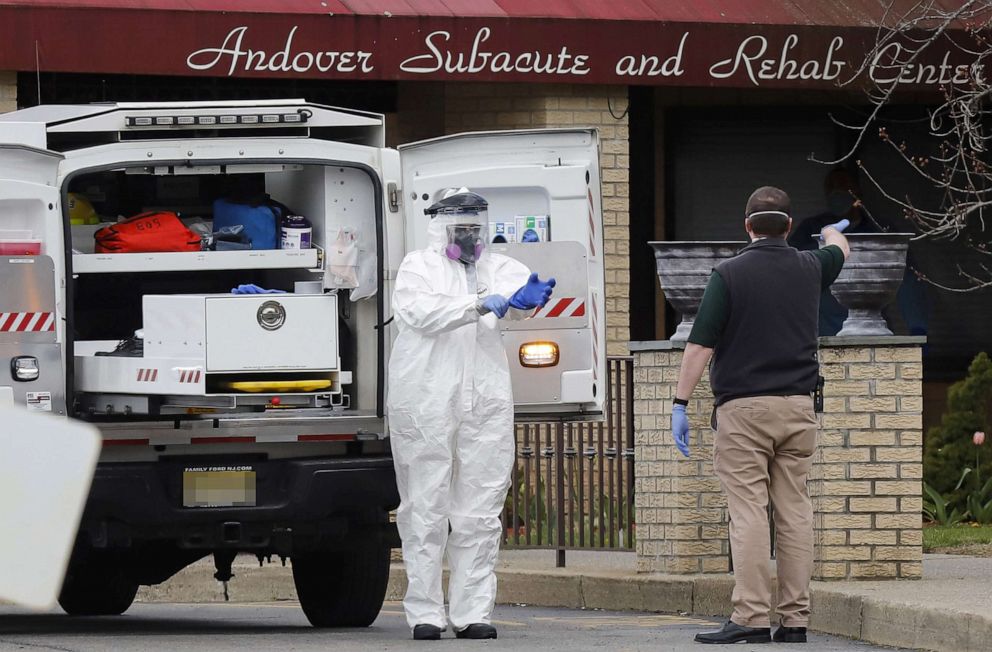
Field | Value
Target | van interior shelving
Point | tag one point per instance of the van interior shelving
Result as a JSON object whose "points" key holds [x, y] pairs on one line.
{"points": [[110, 291]]}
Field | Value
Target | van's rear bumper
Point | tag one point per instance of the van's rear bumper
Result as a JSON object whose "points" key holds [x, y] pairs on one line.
{"points": [[301, 503]]}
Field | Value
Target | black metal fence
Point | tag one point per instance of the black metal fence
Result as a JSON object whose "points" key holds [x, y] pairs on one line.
{"points": [[573, 482]]}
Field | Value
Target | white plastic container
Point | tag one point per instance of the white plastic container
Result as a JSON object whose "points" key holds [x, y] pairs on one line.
{"points": [[296, 232]]}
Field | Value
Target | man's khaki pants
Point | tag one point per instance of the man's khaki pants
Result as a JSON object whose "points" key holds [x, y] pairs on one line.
{"points": [[764, 449]]}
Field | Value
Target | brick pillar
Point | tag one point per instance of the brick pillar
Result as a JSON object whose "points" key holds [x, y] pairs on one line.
{"points": [[865, 482], [866, 479], [681, 514], [475, 106], [8, 91]]}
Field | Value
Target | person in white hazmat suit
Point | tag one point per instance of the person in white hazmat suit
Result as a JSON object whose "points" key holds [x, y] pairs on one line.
{"points": [[450, 413]]}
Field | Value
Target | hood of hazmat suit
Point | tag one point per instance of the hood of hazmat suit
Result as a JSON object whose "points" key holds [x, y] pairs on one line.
{"points": [[450, 412]]}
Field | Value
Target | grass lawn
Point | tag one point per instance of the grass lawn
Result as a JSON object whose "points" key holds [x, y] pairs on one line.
{"points": [[965, 538]]}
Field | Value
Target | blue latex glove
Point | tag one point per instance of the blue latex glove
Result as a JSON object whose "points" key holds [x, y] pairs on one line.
{"points": [[840, 226], [534, 294], [496, 304], [680, 429], [251, 288]]}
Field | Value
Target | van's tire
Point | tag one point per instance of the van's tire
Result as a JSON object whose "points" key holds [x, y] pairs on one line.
{"points": [[97, 588], [343, 588]]}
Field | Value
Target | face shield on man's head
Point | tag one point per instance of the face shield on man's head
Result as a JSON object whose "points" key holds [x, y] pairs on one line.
{"points": [[459, 226]]}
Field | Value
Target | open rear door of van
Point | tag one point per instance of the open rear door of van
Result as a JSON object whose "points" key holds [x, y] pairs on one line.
{"points": [[32, 264], [545, 209]]}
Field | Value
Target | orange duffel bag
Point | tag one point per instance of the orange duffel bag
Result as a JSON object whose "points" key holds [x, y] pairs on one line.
{"points": [[148, 232]]}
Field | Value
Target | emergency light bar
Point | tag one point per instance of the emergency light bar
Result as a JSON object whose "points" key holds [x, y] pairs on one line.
{"points": [[296, 117]]}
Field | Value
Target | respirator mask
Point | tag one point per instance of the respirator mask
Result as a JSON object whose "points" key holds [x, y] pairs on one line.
{"points": [[459, 225], [465, 242]]}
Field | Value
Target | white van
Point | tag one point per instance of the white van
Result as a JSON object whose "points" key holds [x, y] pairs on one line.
{"points": [[255, 423]]}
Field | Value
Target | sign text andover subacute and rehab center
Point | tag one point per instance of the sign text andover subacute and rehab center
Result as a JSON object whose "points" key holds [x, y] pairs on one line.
{"points": [[378, 47]]}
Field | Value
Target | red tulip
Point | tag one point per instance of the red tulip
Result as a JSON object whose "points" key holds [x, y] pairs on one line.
{"points": [[978, 438]]}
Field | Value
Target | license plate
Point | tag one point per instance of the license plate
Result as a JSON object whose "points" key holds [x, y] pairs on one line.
{"points": [[218, 486]]}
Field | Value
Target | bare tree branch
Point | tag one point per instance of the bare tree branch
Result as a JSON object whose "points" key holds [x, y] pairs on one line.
{"points": [[956, 160], [922, 13]]}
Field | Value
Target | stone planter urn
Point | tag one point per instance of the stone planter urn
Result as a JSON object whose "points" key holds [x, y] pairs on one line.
{"points": [[683, 271], [869, 280]]}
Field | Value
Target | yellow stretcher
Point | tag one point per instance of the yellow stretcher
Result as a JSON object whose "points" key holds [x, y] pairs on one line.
{"points": [[278, 386]]}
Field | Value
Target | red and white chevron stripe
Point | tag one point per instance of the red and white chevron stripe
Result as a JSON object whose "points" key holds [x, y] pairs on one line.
{"points": [[563, 307], [189, 375], [27, 322], [594, 322], [147, 375], [592, 224], [594, 318]]}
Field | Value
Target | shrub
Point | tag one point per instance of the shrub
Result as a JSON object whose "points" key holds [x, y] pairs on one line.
{"points": [[949, 448]]}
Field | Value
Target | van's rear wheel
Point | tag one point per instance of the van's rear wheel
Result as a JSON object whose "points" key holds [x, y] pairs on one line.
{"points": [[343, 588], [97, 587]]}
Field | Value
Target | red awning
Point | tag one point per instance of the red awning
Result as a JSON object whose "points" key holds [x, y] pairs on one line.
{"points": [[765, 43], [839, 13]]}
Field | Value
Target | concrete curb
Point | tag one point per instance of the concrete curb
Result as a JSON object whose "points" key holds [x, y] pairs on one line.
{"points": [[836, 610], [898, 624]]}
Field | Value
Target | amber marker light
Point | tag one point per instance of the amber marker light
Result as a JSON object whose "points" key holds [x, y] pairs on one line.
{"points": [[539, 354]]}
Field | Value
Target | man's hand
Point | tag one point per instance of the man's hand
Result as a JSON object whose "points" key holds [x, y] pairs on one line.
{"points": [[838, 226], [680, 429], [831, 235]]}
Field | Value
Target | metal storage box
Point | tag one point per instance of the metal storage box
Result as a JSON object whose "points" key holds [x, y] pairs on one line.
{"points": [[238, 333]]}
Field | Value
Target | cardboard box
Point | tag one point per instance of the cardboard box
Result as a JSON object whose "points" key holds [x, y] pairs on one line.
{"points": [[503, 231]]}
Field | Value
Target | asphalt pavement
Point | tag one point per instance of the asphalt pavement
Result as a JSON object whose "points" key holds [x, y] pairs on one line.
{"points": [[281, 626]]}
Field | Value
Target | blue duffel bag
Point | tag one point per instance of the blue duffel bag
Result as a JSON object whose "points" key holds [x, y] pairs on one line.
{"points": [[261, 220]]}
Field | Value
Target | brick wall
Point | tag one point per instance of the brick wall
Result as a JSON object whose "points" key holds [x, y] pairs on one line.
{"points": [[420, 113], [681, 514], [866, 478], [8, 91], [865, 482], [483, 106]]}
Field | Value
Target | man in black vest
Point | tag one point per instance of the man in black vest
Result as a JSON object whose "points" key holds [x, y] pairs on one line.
{"points": [[758, 321]]}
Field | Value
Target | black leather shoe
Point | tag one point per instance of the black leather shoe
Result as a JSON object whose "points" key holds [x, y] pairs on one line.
{"points": [[790, 635], [734, 633], [426, 633], [477, 631]]}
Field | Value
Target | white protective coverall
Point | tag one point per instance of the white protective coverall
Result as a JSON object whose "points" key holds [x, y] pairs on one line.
{"points": [[450, 414]]}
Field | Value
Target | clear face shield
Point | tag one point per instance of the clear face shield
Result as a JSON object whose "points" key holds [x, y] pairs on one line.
{"points": [[460, 226], [466, 242]]}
